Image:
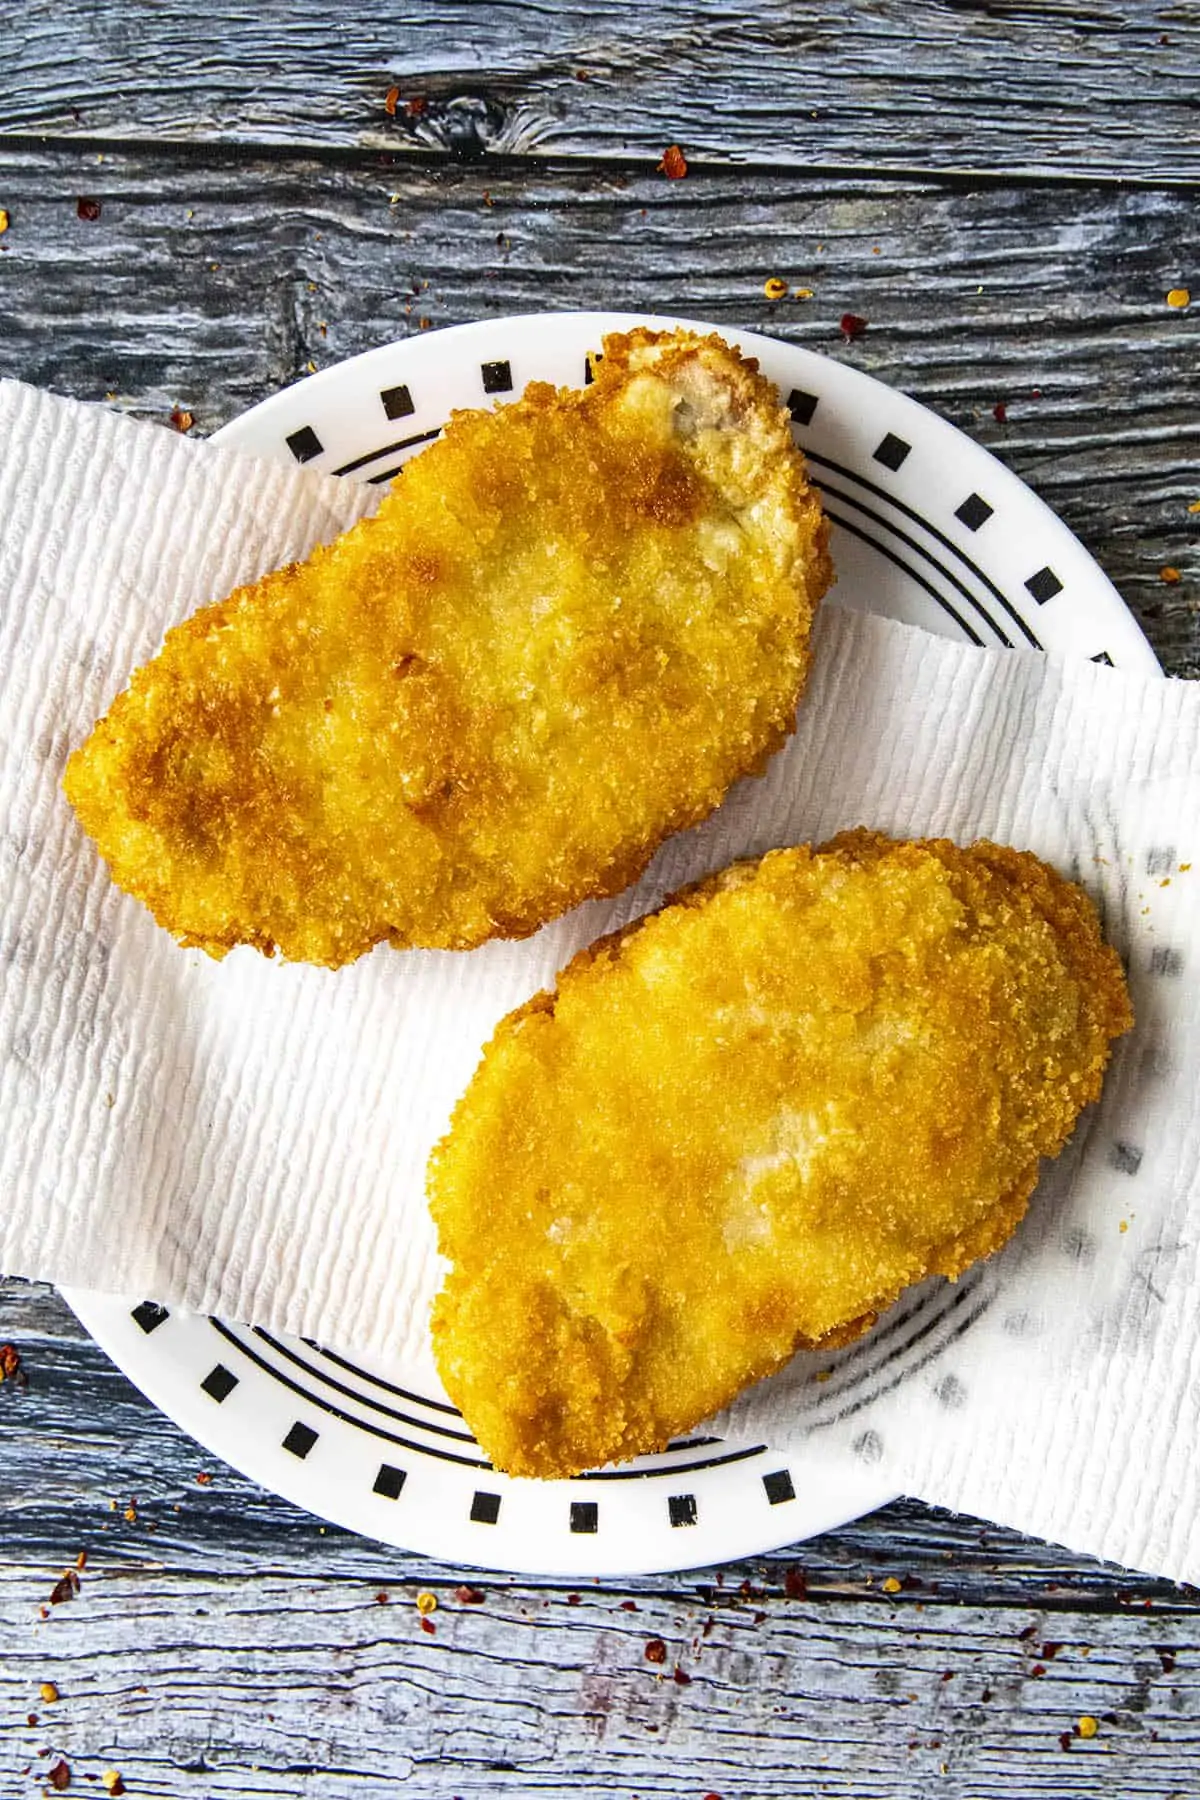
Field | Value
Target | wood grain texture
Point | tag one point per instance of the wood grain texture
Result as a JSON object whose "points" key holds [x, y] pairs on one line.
{"points": [[286, 1674], [208, 287], [1038, 87]]}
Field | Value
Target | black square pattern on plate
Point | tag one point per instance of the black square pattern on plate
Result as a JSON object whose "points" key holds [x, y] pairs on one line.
{"points": [[497, 377], [779, 1486], [397, 402], [219, 1383], [149, 1315], [304, 444], [485, 1508], [682, 1509], [802, 406], [1044, 585], [300, 1440], [973, 512], [389, 1481], [585, 1515], [1102, 656], [892, 452]]}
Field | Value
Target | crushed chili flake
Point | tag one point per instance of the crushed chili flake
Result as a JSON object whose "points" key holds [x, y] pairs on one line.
{"points": [[59, 1776], [81, 1560], [390, 101], [427, 1625], [1194, 506], [947, 1674], [853, 326], [681, 1677], [415, 107], [891, 1585], [31, 1720], [656, 1651], [88, 210], [1050, 1650], [10, 1362], [1024, 1636], [775, 287], [203, 1478], [64, 1589], [381, 1598], [469, 1596], [1037, 1670], [1064, 1739], [1179, 297], [1000, 412], [574, 1599], [48, 1692], [794, 1584], [181, 419], [630, 1606], [113, 1784], [807, 294], [4, 220], [673, 163], [1170, 575], [1088, 1727], [1167, 1659], [426, 1602]]}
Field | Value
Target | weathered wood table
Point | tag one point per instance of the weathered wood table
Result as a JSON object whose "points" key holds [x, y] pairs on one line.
{"points": [[204, 202]]}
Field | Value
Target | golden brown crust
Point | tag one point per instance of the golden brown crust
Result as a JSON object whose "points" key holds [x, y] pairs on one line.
{"points": [[745, 1124], [573, 623]]}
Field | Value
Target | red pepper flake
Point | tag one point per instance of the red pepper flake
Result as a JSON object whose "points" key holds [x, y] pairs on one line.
{"points": [[574, 1599], [794, 1584], [673, 163], [1170, 575], [1064, 1739], [1167, 1659], [203, 1478], [1050, 1650], [656, 1651], [429, 1626], [1000, 413], [31, 1720], [416, 106], [65, 1589], [853, 326], [59, 1776], [470, 1596], [681, 1677], [89, 212], [986, 1695], [1023, 1637], [181, 419], [381, 1598], [390, 101], [947, 1674], [10, 1363], [630, 1606], [1038, 1669], [706, 1628]]}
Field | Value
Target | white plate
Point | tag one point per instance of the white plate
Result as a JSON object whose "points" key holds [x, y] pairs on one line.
{"points": [[927, 528]]}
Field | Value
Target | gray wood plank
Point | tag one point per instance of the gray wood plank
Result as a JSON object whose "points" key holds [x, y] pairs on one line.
{"points": [[210, 286], [1107, 90], [281, 1684]]}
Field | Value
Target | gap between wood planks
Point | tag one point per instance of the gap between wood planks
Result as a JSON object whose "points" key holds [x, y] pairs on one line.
{"points": [[545, 167]]}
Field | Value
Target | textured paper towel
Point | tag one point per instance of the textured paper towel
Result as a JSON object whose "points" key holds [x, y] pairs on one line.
{"points": [[249, 1138]]}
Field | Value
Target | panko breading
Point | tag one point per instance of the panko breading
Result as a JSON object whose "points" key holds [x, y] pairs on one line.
{"points": [[746, 1123], [573, 623]]}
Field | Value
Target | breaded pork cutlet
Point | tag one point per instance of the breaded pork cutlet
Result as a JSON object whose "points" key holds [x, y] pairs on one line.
{"points": [[572, 624], [746, 1123]]}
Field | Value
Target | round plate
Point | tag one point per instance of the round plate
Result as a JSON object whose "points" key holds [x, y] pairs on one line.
{"points": [[928, 528]]}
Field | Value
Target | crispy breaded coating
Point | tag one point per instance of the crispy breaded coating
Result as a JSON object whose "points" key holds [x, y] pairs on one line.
{"points": [[743, 1125], [572, 624]]}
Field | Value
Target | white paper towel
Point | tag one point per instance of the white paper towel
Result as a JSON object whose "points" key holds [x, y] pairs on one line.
{"points": [[249, 1138]]}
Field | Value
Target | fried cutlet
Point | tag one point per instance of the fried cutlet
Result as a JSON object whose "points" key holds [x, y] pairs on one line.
{"points": [[571, 625], [743, 1125]]}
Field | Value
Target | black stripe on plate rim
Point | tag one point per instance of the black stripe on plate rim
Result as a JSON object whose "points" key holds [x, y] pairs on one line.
{"points": [[405, 443], [917, 518], [912, 543], [389, 1412], [865, 537], [855, 1378]]}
